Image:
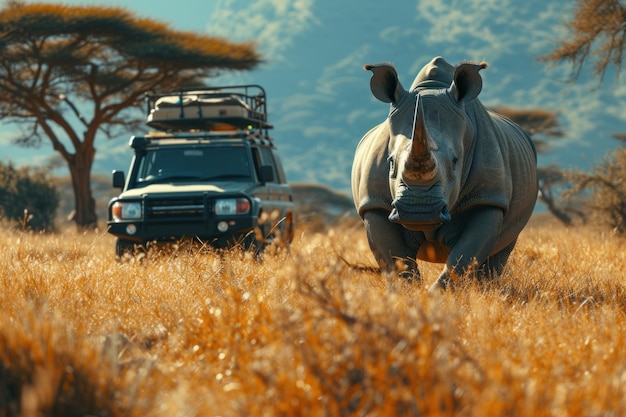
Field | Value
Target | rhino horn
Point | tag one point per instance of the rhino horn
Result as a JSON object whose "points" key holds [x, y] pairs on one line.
{"points": [[421, 164]]}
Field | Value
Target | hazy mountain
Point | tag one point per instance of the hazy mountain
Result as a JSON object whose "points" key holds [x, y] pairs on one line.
{"points": [[318, 94]]}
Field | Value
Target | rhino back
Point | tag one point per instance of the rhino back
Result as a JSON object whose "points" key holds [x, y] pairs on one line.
{"points": [[370, 171]]}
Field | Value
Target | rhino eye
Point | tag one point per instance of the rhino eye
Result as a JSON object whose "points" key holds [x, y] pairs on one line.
{"points": [[393, 171], [454, 161]]}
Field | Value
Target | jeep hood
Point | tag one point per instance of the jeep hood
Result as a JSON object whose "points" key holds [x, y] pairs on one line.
{"points": [[188, 188]]}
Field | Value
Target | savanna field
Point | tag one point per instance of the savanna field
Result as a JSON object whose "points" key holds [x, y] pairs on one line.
{"points": [[309, 331]]}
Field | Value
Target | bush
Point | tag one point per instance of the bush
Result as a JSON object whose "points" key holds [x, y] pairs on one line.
{"points": [[607, 183], [28, 197]]}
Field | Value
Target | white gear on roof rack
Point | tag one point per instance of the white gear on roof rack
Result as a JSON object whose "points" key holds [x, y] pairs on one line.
{"points": [[209, 109]]}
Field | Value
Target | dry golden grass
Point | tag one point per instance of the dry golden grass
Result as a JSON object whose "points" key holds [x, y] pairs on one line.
{"points": [[305, 332]]}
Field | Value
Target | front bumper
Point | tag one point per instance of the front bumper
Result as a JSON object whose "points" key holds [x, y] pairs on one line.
{"points": [[146, 231], [176, 217]]}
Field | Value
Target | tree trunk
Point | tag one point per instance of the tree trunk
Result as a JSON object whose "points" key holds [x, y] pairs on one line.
{"points": [[80, 165], [558, 213]]}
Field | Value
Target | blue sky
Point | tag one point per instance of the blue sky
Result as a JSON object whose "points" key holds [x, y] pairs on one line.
{"points": [[318, 94]]}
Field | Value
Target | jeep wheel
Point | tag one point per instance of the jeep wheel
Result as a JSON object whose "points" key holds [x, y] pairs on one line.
{"points": [[124, 246], [251, 243]]}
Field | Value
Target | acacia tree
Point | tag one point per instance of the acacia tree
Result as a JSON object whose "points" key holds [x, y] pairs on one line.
{"points": [[104, 59], [542, 125], [608, 205], [597, 33]]}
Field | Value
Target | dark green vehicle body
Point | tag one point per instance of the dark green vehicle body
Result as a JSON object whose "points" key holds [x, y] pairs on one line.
{"points": [[222, 184]]}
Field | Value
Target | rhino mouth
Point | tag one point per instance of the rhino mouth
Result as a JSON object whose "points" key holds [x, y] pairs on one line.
{"points": [[420, 222], [420, 208]]}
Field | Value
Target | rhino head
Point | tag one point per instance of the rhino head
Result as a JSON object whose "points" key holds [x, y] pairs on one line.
{"points": [[431, 138]]}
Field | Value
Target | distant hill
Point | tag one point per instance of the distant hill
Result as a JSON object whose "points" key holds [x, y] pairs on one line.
{"points": [[315, 202]]}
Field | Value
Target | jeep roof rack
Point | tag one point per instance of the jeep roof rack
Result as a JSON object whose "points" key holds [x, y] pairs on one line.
{"points": [[159, 137], [223, 108]]}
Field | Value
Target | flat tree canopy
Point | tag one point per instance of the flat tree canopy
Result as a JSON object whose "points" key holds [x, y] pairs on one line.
{"points": [[104, 59], [597, 32]]}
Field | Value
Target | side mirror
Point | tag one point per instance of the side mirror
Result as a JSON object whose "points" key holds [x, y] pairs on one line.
{"points": [[267, 173], [118, 179]]}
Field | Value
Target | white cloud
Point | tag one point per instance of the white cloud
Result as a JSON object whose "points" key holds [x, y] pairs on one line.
{"points": [[327, 87], [397, 34], [356, 115], [316, 131], [272, 24], [481, 29]]}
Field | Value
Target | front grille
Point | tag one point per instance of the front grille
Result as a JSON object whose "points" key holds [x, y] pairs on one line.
{"points": [[186, 208]]}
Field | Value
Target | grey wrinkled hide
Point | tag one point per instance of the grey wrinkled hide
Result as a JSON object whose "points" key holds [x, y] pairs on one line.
{"points": [[442, 179]]}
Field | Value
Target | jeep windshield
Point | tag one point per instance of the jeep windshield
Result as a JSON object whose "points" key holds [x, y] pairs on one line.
{"points": [[198, 164]]}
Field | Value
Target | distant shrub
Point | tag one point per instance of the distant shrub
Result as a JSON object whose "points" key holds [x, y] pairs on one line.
{"points": [[607, 184], [28, 197]]}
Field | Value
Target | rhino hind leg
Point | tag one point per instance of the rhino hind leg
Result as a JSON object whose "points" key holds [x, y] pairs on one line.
{"points": [[386, 240]]}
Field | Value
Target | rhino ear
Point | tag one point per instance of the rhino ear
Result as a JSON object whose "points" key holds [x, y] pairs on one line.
{"points": [[384, 83], [467, 82]]}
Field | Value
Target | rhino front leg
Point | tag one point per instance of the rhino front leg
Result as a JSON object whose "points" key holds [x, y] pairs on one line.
{"points": [[472, 247], [386, 241], [496, 263]]}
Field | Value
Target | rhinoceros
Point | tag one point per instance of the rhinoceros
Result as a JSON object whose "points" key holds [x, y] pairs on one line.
{"points": [[442, 179]]}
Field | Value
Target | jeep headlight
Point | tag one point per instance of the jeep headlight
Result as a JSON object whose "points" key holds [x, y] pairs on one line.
{"points": [[122, 210], [230, 206]]}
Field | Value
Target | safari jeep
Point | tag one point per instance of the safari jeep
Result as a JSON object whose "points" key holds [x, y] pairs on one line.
{"points": [[210, 173]]}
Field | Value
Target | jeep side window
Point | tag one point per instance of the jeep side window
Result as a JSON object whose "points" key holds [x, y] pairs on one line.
{"points": [[279, 167], [156, 164], [146, 166], [268, 159], [256, 157]]}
